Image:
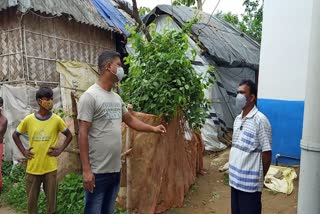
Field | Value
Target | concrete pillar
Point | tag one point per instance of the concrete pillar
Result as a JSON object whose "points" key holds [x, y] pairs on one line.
{"points": [[309, 185]]}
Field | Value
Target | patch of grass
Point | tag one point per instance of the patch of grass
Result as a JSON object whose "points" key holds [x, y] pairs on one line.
{"points": [[226, 179], [194, 188], [119, 210], [70, 192], [71, 195], [6, 168], [214, 196], [14, 189], [15, 196], [173, 210]]}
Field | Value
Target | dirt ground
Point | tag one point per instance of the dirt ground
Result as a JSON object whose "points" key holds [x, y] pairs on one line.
{"points": [[211, 195], [7, 210]]}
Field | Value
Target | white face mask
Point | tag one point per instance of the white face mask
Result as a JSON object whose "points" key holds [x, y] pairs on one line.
{"points": [[120, 73], [241, 101]]}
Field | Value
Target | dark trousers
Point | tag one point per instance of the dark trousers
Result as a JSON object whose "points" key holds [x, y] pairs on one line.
{"points": [[33, 184], [245, 202], [104, 195]]}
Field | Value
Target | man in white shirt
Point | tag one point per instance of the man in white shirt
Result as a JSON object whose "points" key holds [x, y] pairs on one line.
{"points": [[250, 155]]}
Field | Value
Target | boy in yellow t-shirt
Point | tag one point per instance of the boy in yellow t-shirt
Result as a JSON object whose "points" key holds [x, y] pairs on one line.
{"points": [[42, 128]]}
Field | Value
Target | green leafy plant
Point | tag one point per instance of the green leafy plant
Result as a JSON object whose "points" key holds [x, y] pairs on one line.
{"points": [[42, 203], [144, 11], [6, 168], [62, 113], [162, 80], [250, 22], [189, 3], [119, 210], [17, 173], [71, 195], [14, 189], [17, 197]]}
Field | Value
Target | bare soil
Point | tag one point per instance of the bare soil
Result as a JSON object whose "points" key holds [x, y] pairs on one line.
{"points": [[210, 194], [7, 210]]}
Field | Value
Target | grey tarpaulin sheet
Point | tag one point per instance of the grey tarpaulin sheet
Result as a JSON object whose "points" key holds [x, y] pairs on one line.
{"points": [[19, 101], [226, 45], [4, 4], [224, 92]]}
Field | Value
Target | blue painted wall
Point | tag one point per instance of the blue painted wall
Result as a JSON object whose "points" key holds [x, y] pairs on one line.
{"points": [[286, 118]]}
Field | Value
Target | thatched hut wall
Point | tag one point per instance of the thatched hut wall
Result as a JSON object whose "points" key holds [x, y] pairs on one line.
{"points": [[31, 43]]}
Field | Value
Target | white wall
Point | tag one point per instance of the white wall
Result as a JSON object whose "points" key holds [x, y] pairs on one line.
{"points": [[284, 49]]}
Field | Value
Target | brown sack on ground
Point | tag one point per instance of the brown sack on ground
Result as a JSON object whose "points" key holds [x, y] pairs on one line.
{"points": [[161, 168]]}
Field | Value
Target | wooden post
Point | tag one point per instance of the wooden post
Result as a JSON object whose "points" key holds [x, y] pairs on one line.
{"points": [[128, 160]]}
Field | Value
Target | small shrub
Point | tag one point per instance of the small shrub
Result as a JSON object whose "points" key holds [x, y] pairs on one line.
{"points": [[14, 188], [6, 168], [71, 195], [162, 80]]}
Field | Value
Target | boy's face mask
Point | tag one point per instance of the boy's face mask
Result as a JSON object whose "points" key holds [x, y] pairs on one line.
{"points": [[46, 104]]}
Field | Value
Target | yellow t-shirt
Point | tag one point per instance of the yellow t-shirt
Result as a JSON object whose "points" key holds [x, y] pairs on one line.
{"points": [[42, 134]]}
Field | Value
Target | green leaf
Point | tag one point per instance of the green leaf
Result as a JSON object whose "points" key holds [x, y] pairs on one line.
{"points": [[156, 84]]}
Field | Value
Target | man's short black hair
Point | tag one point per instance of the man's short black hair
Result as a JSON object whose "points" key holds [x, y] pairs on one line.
{"points": [[251, 85], [105, 58], [1, 102], [44, 91]]}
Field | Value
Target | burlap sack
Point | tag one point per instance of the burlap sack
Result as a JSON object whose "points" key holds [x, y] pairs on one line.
{"points": [[160, 169]]}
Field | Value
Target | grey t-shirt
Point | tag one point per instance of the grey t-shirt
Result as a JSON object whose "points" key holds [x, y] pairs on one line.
{"points": [[104, 109]]}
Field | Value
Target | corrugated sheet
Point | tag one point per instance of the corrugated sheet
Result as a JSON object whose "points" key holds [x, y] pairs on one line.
{"points": [[225, 45], [4, 4], [81, 10]]}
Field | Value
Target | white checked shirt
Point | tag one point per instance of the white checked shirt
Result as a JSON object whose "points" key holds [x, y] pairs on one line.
{"points": [[251, 136]]}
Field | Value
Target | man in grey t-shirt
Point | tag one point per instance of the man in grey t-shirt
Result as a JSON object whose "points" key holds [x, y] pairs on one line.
{"points": [[100, 115]]}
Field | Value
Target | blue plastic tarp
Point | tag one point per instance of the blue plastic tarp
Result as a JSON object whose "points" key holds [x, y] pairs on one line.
{"points": [[112, 15]]}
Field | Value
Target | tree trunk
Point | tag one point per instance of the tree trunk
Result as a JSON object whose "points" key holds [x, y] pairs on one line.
{"points": [[199, 4], [135, 14]]}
